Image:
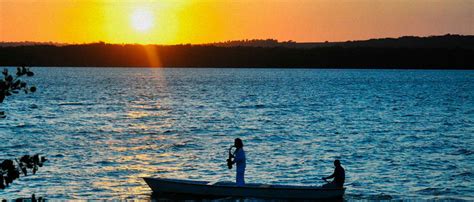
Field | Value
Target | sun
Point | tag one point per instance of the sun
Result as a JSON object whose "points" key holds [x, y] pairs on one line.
{"points": [[142, 19]]}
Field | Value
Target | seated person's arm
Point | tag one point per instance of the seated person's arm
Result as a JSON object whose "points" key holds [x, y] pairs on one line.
{"points": [[329, 177]]}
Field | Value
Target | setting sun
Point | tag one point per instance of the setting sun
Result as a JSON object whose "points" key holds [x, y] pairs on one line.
{"points": [[142, 20]]}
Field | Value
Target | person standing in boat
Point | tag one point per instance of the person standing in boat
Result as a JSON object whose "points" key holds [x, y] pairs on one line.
{"points": [[339, 176], [239, 160]]}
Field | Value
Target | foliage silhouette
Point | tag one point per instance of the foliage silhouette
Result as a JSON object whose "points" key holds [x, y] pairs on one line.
{"points": [[441, 52], [10, 170], [10, 84]]}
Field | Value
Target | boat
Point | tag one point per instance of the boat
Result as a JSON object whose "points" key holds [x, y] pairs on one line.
{"points": [[206, 189]]}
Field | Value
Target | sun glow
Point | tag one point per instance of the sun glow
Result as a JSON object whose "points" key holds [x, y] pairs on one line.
{"points": [[206, 21], [142, 20]]}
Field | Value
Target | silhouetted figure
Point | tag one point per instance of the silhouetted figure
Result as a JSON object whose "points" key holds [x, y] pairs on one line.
{"points": [[239, 160], [339, 176]]}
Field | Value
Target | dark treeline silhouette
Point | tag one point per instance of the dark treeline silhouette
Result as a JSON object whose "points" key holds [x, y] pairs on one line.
{"points": [[257, 43], [446, 41], [441, 52], [29, 43]]}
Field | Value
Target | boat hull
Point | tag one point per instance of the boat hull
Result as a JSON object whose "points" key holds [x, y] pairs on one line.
{"points": [[225, 189]]}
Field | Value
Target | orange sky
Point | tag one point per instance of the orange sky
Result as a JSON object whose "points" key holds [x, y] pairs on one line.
{"points": [[201, 21]]}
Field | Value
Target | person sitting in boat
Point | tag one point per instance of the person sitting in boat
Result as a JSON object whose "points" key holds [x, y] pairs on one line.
{"points": [[339, 176], [239, 160]]}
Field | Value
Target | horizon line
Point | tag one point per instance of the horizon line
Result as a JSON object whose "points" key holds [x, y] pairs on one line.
{"points": [[217, 42]]}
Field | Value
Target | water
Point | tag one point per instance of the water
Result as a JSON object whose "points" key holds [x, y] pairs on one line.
{"points": [[400, 134]]}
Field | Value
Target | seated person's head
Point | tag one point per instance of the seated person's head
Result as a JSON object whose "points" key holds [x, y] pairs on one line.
{"points": [[337, 163]]}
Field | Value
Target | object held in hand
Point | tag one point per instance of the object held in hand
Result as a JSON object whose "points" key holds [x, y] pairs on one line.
{"points": [[229, 160]]}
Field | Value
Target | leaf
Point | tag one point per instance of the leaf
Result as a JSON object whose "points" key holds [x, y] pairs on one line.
{"points": [[33, 89], [3, 85], [16, 84], [30, 74], [18, 71]]}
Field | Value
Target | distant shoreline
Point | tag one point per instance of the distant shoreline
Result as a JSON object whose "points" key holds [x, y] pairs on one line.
{"points": [[440, 41], [437, 52], [315, 68]]}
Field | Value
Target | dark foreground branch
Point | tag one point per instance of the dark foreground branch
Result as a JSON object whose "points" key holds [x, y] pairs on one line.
{"points": [[10, 170]]}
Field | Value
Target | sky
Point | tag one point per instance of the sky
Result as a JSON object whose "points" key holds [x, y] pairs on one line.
{"points": [[205, 21]]}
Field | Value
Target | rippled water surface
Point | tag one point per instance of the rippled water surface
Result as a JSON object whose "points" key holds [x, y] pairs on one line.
{"points": [[399, 134]]}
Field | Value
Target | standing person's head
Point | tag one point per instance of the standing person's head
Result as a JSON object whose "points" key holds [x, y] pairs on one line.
{"points": [[337, 163], [238, 143]]}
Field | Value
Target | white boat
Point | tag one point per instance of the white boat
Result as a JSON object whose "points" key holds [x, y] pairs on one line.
{"points": [[228, 189]]}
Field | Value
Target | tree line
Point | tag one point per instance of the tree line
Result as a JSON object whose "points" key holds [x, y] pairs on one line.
{"points": [[132, 55]]}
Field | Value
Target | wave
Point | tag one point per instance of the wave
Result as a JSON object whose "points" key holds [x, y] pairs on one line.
{"points": [[257, 106], [73, 103], [463, 151]]}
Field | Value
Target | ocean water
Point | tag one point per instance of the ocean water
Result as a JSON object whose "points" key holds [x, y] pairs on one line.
{"points": [[400, 134]]}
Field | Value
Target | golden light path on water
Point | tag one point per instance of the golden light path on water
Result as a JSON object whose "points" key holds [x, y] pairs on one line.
{"points": [[140, 165]]}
